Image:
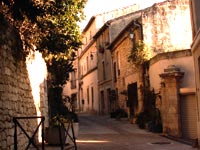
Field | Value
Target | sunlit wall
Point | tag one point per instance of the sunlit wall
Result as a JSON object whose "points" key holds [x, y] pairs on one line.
{"points": [[167, 26], [37, 72]]}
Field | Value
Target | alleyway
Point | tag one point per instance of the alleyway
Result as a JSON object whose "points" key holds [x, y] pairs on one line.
{"points": [[104, 133]]}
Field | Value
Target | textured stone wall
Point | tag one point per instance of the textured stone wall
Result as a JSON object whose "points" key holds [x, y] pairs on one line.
{"points": [[167, 26], [16, 97], [171, 102], [128, 73]]}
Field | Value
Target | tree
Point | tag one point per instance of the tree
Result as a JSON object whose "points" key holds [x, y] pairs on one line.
{"points": [[51, 26]]}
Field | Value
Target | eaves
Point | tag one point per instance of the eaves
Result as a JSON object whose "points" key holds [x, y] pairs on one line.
{"points": [[88, 24], [121, 36], [109, 22], [102, 29]]}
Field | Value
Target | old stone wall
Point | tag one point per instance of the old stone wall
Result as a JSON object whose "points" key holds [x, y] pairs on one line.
{"points": [[16, 93], [127, 74], [167, 26]]}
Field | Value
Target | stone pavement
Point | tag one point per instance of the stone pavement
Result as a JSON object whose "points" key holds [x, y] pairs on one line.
{"points": [[104, 133]]}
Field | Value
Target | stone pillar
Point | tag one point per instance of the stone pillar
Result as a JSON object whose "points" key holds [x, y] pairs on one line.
{"points": [[170, 108]]}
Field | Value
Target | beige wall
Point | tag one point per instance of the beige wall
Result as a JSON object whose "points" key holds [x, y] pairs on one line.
{"points": [[88, 79], [88, 34], [185, 64], [104, 72]]}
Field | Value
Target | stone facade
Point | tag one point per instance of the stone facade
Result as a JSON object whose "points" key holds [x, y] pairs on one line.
{"points": [[87, 68], [161, 32], [16, 93], [173, 89], [170, 45], [127, 74], [88, 80], [167, 26], [104, 71], [195, 6], [170, 108]]}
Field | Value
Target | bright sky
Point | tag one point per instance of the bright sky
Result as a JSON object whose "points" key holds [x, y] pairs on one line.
{"points": [[94, 7]]}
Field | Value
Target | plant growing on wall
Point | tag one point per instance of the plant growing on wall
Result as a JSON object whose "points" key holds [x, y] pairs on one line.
{"points": [[139, 54], [49, 26]]}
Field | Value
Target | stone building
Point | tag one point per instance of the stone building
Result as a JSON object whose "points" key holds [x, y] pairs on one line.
{"points": [[165, 29], [22, 92], [195, 17], [127, 78], [87, 81], [170, 74], [171, 70], [104, 72]]}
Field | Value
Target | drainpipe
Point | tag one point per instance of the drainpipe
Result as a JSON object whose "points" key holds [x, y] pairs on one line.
{"points": [[140, 26], [144, 67]]}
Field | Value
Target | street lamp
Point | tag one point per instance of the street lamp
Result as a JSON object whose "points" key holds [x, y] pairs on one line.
{"points": [[91, 55], [131, 35]]}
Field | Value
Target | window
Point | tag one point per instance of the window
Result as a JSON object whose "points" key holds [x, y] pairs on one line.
{"points": [[102, 102], [109, 99], [199, 67], [103, 67], [88, 96], [87, 64], [115, 72], [73, 80], [118, 64], [92, 95]]}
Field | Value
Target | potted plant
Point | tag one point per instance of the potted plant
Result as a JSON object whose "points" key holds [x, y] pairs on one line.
{"points": [[60, 130], [55, 133], [60, 116]]}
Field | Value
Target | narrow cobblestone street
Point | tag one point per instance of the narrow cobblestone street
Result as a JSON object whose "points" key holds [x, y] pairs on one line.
{"points": [[105, 133]]}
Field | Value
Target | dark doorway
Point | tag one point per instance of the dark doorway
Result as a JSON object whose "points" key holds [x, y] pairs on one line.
{"points": [[132, 98], [102, 104], [74, 102]]}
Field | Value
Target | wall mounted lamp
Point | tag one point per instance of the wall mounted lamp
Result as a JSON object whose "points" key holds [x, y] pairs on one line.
{"points": [[91, 55], [131, 35]]}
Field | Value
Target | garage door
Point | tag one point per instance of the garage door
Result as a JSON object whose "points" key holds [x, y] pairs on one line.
{"points": [[189, 117]]}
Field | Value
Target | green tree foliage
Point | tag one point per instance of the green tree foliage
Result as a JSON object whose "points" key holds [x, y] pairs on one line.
{"points": [[49, 25], [139, 54]]}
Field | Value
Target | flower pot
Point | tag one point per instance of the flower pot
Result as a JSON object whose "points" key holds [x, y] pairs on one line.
{"points": [[52, 136]]}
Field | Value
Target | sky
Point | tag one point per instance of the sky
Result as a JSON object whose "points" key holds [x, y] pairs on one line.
{"points": [[94, 7]]}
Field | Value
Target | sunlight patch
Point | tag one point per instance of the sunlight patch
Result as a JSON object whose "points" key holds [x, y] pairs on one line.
{"points": [[91, 141]]}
